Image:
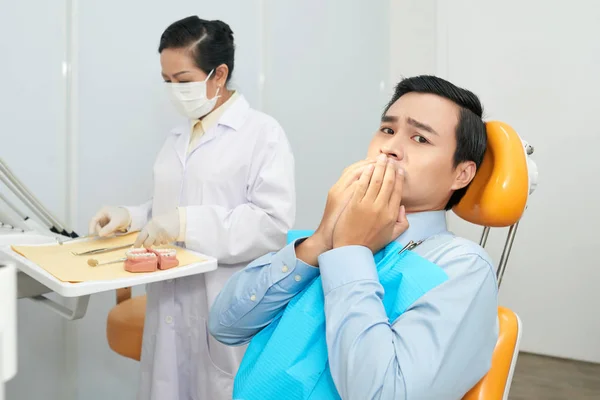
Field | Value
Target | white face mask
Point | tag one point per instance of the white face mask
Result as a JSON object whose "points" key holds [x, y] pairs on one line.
{"points": [[190, 98]]}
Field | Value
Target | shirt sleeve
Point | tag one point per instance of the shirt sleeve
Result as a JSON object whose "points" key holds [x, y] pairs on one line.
{"points": [[255, 296], [439, 348]]}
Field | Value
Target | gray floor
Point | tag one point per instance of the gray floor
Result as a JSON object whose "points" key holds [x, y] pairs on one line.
{"points": [[538, 377]]}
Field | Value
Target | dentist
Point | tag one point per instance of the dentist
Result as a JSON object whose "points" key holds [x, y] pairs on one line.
{"points": [[224, 186]]}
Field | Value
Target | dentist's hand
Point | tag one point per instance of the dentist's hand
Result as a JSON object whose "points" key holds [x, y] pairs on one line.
{"points": [[163, 229], [374, 217], [338, 198], [109, 220]]}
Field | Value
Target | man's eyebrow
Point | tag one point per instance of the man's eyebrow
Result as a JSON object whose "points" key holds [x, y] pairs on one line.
{"points": [[389, 118], [421, 125]]}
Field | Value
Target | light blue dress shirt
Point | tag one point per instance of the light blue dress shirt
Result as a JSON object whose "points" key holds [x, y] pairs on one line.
{"points": [[438, 349]]}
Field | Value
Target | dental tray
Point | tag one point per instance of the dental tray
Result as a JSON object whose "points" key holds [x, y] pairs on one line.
{"points": [[76, 289]]}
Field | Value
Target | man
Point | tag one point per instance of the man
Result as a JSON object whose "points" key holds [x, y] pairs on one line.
{"points": [[439, 343]]}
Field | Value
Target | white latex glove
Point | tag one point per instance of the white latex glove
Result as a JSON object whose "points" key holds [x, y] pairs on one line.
{"points": [[110, 220], [160, 230]]}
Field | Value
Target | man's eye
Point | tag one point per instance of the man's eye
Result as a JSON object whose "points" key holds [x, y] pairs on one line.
{"points": [[420, 139], [387, 130]]}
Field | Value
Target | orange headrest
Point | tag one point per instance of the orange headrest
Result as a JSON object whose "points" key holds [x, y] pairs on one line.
{"points": [[498, 194]]}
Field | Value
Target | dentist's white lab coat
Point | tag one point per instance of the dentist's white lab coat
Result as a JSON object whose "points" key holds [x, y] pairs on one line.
{"points": [[238, 187]]}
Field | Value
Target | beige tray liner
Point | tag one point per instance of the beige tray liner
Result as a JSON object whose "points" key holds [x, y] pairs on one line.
{"points": [[59, 261]]}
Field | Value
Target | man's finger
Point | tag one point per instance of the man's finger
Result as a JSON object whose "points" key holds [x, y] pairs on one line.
{"points": [[396, 196], [363, 183], [377, 178], [389, 181], [401, 223], [352, 173], [347, 195], [351, 177], [356, 165]]}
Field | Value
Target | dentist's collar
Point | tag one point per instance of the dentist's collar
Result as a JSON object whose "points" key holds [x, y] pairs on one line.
{"points": [[422, 225]]}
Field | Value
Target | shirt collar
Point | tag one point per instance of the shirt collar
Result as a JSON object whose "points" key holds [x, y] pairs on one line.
{"points": [[233, 117], [213, 117], [422, 225]]}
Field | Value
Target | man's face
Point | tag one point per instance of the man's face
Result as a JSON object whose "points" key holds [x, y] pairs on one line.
{"points": [[419, 131]]}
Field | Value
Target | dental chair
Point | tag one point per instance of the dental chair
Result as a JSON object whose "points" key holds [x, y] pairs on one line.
{"points": [[497, 197]]}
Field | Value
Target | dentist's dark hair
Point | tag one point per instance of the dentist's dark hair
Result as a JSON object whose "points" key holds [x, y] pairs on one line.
{"points": [[471, 136], [210, 42]]}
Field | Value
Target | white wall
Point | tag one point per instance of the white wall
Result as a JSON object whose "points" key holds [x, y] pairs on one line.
{"points": [[413, 38], [327, 75], [33, 143], [535, 66]]}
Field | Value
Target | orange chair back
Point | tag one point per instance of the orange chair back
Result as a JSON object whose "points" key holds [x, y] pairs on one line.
{"points": [[497, 197], [498, 194]]}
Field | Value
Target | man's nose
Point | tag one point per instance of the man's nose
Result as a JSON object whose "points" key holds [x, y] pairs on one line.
{"points": [[396, 152]]}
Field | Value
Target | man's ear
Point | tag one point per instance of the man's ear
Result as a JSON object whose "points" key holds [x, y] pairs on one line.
{"points": [[465, 172]]}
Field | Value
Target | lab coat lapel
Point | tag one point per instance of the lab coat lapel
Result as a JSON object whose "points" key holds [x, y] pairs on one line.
{"points": [[181, 142], [208, 136], [233, 118]]}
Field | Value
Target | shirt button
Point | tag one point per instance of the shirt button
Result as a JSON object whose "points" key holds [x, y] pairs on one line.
{"points": [[253, 297], [284, 269], [169, 319], [297, 278]]}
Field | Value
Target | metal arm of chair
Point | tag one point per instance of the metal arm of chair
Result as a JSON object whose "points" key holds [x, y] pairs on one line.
{"points": [[512, 231]]}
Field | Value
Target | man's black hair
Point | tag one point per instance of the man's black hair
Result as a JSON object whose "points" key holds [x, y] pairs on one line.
{"points": [[471, 137]]}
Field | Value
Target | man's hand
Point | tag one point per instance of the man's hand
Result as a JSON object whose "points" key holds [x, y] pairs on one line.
{"points": [[374, 217], [338, 198]]}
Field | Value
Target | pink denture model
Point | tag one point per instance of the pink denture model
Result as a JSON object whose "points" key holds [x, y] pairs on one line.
{"points": [[141, 260], [167, 258]]}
